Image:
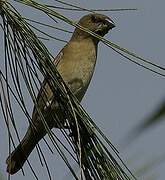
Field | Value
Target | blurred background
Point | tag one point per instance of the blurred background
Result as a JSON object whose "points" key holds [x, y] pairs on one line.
{"points": [[125, 100]]}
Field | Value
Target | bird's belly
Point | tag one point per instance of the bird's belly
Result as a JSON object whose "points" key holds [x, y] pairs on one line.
{"points": [[79, 78]]}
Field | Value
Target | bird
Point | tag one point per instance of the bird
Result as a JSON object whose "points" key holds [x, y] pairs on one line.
{"points": [[75, 63]]}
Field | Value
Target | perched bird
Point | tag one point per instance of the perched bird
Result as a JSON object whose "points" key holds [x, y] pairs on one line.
{"points": [[75, 63]]}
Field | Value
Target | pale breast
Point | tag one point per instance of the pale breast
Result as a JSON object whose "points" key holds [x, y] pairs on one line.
{"points": [[77, 66]]}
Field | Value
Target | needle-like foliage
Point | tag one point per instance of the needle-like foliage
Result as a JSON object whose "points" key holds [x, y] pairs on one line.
{"points": [[26, 62]]}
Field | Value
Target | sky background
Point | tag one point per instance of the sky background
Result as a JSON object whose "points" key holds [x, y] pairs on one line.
{"points": [[121, 93]]}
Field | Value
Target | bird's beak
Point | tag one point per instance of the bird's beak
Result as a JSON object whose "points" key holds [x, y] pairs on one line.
{"points": [[110, 23]]}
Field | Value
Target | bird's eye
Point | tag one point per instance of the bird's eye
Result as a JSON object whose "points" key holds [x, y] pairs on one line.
{"points": [[95, 19]]}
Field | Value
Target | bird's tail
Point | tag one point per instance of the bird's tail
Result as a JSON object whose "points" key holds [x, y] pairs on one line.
{"points": [[18, 157]]}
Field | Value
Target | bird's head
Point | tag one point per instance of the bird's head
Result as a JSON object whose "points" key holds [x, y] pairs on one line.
{"points": [[97, 23]]}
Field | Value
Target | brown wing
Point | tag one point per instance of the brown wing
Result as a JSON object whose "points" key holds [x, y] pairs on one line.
{"points": [[45, 94]]}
